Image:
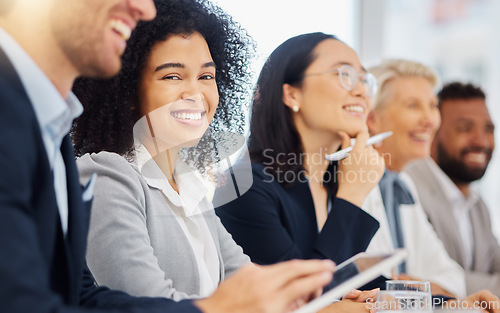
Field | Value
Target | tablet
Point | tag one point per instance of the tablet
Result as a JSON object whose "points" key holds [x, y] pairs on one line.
{"points": [[353, 273]]}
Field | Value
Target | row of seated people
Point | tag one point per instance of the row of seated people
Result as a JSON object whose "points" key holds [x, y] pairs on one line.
{"points": [[154, 231]]}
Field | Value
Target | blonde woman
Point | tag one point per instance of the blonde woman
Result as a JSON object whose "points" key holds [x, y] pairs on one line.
{"points": [[406, 104]]}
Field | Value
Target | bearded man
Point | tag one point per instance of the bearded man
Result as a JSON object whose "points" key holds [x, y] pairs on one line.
{"points": [[461, 151]]}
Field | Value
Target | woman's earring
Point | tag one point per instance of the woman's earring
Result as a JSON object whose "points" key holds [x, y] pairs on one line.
{"points": [[295, 108]]}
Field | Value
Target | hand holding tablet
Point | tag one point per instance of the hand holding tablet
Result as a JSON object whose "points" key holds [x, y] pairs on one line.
{"points": [[353, 273]]}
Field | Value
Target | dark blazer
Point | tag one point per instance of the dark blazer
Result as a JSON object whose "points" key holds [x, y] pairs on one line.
{"points": [[40, 269], [274, 224]]}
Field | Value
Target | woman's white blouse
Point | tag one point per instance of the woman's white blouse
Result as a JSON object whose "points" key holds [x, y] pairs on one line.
{"points": [[188, 206]]}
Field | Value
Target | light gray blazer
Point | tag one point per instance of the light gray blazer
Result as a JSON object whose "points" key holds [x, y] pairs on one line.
{"points": [[135, 243], [485, 273]]}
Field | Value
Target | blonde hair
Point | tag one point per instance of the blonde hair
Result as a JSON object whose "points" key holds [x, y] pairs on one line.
{"points": [[391, 69]]}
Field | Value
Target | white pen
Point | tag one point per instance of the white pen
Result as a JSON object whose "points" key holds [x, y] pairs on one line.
{"points": [[339, 155]]}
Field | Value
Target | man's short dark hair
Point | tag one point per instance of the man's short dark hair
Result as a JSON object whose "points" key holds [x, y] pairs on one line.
{"points": [[458, 90]]}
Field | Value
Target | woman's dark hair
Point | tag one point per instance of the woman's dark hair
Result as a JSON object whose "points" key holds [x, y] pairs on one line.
{"points": [[274, 139], [112, 105]]}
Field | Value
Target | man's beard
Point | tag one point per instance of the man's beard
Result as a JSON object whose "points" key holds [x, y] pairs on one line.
{"points": [[456, 168]]}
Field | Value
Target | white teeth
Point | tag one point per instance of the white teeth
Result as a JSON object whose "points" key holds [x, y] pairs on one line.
{"points": [[121, 28], [354, 108], [423, 136], [187, 116], [476, 157]]}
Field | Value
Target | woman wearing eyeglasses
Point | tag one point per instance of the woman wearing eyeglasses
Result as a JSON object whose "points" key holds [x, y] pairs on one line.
{"points": [[312, 96]]}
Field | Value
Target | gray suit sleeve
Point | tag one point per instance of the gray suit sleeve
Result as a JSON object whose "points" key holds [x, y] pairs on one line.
{"points": [[490, 277], [232, 254], [120, 254]]}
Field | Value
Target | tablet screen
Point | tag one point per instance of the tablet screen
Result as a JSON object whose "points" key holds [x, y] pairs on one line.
{"points": [[360, 263], [353, 273]]}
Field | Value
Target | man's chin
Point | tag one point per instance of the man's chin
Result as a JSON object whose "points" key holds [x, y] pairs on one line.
{"points": [[473, 174], [103, 70]]}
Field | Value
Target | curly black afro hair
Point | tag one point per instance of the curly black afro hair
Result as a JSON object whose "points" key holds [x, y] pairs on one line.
{"points": [[111, 106]]}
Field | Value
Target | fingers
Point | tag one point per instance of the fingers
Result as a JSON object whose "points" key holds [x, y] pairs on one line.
{"points": [[273, 288], [485, 299], [346, 140], [300, 302], [305, 286], [315, 295], [286, 272], [296, 279], [370, 294], [346, 306], [482, 301], [492, 300], [297, 304], [353, 294], [486, 295], [360, 144], [361, 296]]}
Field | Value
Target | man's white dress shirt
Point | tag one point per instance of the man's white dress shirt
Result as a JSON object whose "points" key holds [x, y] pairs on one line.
{"points": [[461, 211]]}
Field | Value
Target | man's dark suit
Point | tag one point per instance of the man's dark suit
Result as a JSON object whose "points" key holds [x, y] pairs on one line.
{"points": [[40, 269]]}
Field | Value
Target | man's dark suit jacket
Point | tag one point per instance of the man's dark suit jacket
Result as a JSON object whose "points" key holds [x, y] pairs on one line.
{"points": [[40, 269]]}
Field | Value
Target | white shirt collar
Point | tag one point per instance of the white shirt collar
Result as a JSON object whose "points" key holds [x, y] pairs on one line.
{"points": [[192, 187]]}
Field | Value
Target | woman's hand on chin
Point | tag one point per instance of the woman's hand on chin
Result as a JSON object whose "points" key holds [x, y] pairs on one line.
{"points": [[361, 171]]}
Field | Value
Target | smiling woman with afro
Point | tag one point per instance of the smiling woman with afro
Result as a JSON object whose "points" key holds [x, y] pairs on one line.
{"points": [[153, 231]]}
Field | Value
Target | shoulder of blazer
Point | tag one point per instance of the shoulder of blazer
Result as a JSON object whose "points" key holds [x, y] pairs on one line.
{"points": [[423, 178], [429, 191], [7, 67], [17, 115], [10, 79], [264, 180], [258, 170], [482, 212], [19, 128]]}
